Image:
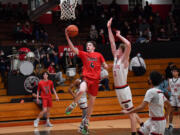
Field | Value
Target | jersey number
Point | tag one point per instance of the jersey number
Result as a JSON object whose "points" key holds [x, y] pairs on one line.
{"points": [[92, 65]]}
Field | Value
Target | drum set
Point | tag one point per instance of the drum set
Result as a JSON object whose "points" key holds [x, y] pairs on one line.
{"points": [[25, 66]]}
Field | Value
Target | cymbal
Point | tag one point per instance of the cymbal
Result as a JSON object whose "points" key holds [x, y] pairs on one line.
{"points": [[13, 55]]}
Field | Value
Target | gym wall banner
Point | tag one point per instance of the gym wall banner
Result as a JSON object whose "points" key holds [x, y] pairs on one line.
{"points": [[63, 48]]}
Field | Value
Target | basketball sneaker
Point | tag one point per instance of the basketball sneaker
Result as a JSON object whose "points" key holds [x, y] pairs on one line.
{"points": [[170, 128], [85, 123], [70, 108], [80, 128], [48, 124], [36, 123]]}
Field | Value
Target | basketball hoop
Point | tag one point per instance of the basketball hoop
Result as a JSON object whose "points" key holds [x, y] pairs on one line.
{"points": [[68, 9]]}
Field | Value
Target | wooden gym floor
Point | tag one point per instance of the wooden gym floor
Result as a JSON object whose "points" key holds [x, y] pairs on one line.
{"points": [[108, 127]]}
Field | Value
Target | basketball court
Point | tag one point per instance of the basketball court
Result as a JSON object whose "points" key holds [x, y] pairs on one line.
{"points": [[108, 127]]}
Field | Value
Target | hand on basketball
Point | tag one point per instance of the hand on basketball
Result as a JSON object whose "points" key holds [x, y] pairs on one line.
{"points": [[109, 22], [118, 33]]}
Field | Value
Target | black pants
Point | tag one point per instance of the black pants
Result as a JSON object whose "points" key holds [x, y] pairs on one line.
{"points": [[138, 71]]}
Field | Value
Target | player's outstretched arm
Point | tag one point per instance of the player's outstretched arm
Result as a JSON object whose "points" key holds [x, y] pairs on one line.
{"points": [[127, 44], [137, 109], [111, 38], [71, 87], [71, 45]]}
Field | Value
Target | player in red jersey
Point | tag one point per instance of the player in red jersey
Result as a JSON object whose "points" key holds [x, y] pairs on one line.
{"points": [[44, 87], [92, 62]]}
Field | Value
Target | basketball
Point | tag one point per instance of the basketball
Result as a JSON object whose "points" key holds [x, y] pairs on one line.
{"points": [[72, 30]]}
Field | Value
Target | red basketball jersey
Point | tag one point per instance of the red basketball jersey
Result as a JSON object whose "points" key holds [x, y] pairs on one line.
{"points": [[45, 88], [91, 64]]}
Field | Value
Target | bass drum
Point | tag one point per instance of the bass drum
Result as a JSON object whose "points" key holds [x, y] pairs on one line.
{"points": [[26, 68]]}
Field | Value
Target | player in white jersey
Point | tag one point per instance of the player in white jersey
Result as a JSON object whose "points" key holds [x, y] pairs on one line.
{"points": [[156, 124], [82, 101], [120, 71], [174, 85]]}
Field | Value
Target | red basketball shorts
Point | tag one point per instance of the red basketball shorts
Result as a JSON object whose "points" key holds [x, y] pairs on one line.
{"points": [[47, 102], [92, 86]]}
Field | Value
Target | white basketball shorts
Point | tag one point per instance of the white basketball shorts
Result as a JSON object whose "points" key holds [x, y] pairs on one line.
{"points": [[125, 98]]}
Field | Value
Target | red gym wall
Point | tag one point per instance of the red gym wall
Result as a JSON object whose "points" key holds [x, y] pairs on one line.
{"points": [[161, 6]]}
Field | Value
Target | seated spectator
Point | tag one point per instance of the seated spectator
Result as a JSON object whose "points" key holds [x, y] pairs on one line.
{"points": [[93, 34], [144, 26], [101, 37], [134, 27], [52, 53], [27, 31], [168, 71], [145, 37], [55, 75], [126, 27], [104, 79], [163, 35], [137, 65], [43, 35], [23, 52], [39, 33], [18, 33], [144, 32]]}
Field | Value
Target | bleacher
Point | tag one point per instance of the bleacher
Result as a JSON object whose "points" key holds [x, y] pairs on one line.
{"points": [[106, 103]]}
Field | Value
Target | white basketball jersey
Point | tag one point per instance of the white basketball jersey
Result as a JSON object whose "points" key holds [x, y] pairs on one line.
{"points": [[174, 85], [120, 73], [83, 98], [156, 99]]}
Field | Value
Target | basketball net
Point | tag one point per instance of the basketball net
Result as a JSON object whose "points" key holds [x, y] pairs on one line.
{"points": [[68, 9]]}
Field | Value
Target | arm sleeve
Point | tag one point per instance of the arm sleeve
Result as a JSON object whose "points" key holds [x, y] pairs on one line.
{"points": [[149, 96], [81, 54], [102, 58]]}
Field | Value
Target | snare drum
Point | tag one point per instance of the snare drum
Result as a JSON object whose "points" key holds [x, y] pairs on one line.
{"points": [[71, 72], [26, 68]]}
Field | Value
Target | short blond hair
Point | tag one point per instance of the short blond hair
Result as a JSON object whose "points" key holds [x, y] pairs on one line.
{"points": [[122, 46]]}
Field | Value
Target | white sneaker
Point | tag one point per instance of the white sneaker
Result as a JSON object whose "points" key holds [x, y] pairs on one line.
{"points": [[85, 124], [36, 122], [80, 129], [70, 108], [48, 124]]}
